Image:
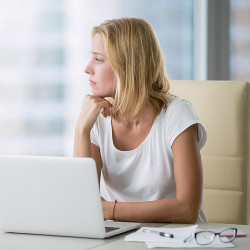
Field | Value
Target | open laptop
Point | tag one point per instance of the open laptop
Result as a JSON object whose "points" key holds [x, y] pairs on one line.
{"points": [[53, 196]]}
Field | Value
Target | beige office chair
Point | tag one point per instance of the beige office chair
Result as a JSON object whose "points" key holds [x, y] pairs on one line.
{"points": [[223, 108]]}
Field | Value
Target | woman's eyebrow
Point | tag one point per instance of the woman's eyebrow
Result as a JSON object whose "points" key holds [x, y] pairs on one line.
{"points": [[96, 53]]}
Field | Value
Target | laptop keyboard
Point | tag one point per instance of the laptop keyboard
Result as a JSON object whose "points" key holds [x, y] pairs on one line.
{"points": [[109, 229]]}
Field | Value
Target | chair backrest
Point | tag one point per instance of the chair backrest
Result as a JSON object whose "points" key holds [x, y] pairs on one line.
{"points": [[223, 108]]}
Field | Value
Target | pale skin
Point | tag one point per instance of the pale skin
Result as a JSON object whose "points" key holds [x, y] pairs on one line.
{"points": [[128, 135]]}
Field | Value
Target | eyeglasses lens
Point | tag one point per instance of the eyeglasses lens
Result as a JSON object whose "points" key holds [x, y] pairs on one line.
{"points": [[204, 238], [227, 235]]}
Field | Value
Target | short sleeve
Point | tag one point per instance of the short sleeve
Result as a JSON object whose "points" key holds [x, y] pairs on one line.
{"points": [[94, 135], [182, 115]]}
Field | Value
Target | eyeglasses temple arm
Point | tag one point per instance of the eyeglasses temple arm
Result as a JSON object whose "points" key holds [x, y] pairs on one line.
{"points": [[186, 239]]}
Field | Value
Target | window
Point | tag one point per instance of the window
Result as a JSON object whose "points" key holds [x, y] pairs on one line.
{"points": [[239, 40], [32, 85]]}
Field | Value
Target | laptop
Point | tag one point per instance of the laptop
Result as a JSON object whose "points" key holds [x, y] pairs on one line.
{"points": [[53, 196]]}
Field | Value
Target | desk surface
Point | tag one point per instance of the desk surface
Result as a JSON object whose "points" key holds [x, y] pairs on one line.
{"points": [[40, 242]]}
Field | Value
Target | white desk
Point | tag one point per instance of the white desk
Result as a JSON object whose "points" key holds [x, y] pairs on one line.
{"points": [[39, 242]]}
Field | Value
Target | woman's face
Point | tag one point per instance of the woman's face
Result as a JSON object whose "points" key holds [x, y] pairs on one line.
{"points": [[101, 76]]}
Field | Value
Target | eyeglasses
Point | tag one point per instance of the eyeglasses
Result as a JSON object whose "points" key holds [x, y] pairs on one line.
{"points": [[207, 237]]}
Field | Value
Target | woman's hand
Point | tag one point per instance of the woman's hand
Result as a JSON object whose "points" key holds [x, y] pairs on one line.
{"points": [[91, 107], [90, 110]]}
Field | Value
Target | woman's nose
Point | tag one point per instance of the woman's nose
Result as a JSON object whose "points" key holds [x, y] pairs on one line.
{"points": [[88, 69]]}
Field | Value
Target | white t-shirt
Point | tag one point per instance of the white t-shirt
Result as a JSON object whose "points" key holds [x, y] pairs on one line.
{"points": [[145, 173]]}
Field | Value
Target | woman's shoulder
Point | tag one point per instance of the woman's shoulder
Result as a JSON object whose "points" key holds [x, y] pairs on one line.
{"points": [[180, 115], [178, 109], [177, 105], [174, 100]]}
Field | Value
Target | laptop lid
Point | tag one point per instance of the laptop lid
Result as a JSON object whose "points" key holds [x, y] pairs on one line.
{"points": [[50, 195]]}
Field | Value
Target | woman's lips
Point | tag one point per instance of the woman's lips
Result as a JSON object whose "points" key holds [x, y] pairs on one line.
{"points": [[92, 83]]}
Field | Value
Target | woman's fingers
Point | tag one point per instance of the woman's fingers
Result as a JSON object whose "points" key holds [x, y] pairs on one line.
{"points": [[91, 107]]}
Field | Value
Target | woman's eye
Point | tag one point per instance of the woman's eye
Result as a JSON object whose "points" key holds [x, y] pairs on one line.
{"points": [[98, 60]]}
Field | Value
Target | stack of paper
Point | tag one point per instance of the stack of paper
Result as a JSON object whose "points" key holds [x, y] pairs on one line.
{"points": [[154, 240]]}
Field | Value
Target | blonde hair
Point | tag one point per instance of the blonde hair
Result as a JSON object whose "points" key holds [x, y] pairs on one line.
{"points": [[137, 60]]}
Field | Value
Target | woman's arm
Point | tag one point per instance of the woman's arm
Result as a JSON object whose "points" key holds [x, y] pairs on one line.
{"points": [[82, 145], [188, 177], [97, 157]]}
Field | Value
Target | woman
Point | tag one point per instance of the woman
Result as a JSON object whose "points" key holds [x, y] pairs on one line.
{"points": [[147, 143]]}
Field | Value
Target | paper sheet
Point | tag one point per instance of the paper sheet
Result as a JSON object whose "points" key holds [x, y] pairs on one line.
{"points": [[153, 240], [179, 234]]}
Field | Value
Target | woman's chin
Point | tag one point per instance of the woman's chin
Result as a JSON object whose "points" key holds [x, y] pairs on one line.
{"points": [[98, 95], [101, 94]]}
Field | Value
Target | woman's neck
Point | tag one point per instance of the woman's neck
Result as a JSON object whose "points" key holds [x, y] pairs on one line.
{"points": [[146, 116]]}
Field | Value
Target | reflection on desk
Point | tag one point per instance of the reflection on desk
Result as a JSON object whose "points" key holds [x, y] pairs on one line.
{"points": [[13, 241]]}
